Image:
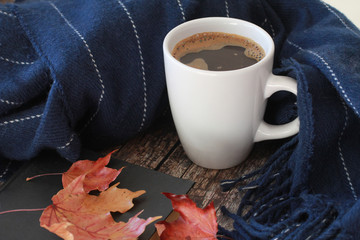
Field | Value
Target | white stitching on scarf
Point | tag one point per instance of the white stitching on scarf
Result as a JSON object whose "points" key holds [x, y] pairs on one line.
{"points": [[340, 19], [10, 102], [271, 27], [227, 182], [285, 231], [265, 205], [341, 154], [6, 169], [227, 8], [333, 75], [308, 238], [181, 9], [68, 143], [15, 62], [92, 60], [142, 64], [7, 14], [20, 119], [346, 113]]}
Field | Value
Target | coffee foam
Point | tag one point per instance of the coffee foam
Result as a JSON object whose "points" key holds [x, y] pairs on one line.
{"points": [[215, 41]]}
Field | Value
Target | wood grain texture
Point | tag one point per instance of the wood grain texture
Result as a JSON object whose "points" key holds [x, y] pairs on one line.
{"points": [[151, 148]]}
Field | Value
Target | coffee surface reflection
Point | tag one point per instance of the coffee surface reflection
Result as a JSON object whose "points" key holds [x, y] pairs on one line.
{"points": [[217, 51]]}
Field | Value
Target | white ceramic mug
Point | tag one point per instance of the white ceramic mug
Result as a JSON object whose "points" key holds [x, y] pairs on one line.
{"points": [[219, 114]]}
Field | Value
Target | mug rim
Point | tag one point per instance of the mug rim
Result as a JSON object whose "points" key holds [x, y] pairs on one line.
{"points": [[224, 20]]}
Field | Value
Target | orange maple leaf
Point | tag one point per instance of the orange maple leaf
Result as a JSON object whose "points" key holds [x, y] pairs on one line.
{"points": [[76, 215], [193, 222], [98, 177]]}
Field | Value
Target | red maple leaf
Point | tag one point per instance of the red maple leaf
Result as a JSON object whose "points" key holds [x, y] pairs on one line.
{"points": [[98, 177], [76, 215], [193, 222]]}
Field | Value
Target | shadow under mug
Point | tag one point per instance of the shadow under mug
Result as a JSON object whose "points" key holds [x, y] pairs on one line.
{"points": [[219, 114]]}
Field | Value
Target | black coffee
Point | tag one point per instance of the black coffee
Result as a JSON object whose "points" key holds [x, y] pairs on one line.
{"points": [[216, 51]]}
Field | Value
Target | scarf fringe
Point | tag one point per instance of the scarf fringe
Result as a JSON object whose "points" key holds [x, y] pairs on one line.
{"points": [[269, 211]]}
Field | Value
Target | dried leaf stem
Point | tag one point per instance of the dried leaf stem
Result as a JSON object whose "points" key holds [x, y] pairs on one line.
{"points": [[42, 175], [23, 210]]}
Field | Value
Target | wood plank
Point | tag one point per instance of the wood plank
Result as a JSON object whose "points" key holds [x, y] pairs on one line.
{"points": [[176, 164], [150, 148]]}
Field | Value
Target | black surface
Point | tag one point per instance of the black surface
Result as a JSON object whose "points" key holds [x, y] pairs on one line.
{"points": [[19, 194]]}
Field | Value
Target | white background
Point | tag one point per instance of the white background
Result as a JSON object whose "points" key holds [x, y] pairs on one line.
{"points": [[350, 8]]}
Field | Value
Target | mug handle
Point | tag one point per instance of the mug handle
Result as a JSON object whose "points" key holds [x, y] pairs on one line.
{"points": [[267, 131]]}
